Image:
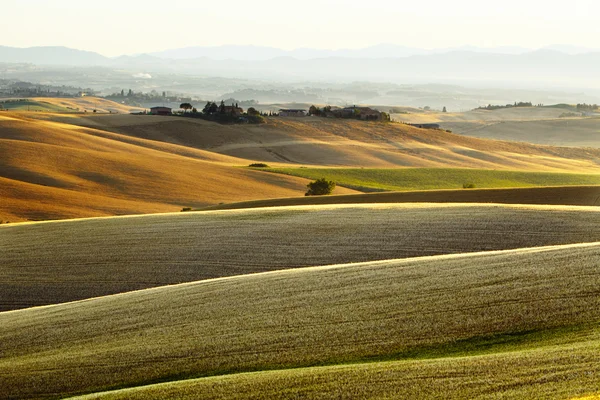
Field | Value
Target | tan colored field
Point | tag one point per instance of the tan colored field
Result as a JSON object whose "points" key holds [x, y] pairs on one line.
{"points": [[506, 114], [320, 141], [52, 170], [47, 263], [582, 132], [89, 104], [534, 125], [74, 165], [535, 311]]}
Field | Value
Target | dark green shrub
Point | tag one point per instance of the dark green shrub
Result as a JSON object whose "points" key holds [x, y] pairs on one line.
{"points": [[186, 209], [320, 187], [468, 185], [259, 165]]}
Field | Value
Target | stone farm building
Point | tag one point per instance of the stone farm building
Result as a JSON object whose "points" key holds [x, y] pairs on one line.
{"points": [[233, 110], [161, 111], [292, 113]]}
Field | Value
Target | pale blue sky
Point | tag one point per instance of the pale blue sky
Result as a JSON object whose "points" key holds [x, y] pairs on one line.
{"points": [[113, 27]]}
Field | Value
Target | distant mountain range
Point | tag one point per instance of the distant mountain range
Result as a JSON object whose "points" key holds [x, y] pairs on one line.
{"points": [[57, 55], [555, 66]]}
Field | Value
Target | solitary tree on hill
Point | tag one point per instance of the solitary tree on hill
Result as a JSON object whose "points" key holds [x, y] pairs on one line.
{"points": [[320, 187], [444, 110], [185, 106]]}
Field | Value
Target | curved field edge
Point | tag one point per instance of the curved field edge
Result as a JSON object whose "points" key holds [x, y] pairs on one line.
{"points": [[56, 262], [301, 318], [406, 179], [562, 195], [555, 372]]}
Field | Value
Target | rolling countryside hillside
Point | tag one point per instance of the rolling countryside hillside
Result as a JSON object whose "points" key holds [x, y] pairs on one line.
{"points": [[56, 262], [540, 125], [69, 165], [531, 313], [265, 293], [322, 141], [52, 170]]}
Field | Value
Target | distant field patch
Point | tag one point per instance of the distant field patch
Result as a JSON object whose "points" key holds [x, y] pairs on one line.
{"points": [[379, 179], [31, 105]]}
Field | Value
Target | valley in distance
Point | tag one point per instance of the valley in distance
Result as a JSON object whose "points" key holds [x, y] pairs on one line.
{"points": [[457, 257]]}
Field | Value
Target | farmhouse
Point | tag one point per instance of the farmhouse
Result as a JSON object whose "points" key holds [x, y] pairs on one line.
{"points": [[364, 113], [234, 110], [292, 113], [161, 111]]}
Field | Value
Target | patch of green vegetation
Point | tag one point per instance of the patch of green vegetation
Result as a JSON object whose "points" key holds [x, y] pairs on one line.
{"points": [[30, 105], [406, 179]]}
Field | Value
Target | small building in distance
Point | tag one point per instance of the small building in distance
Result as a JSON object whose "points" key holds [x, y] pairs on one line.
{"points": [[426, 126], [292, 113], [364, 113], [161, 111], [233, 110]]}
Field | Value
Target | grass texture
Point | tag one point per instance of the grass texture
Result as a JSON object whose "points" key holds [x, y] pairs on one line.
{"points": [[324, 316], [56, 262], [403, 179]]}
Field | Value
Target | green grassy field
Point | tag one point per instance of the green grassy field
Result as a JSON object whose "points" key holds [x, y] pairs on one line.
{"points": [[551, 373], [56, 262], [510, 322], [403, 179], [32, 105]]}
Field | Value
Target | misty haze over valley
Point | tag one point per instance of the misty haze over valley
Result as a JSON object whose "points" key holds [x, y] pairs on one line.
{"points": [[387, 75]]}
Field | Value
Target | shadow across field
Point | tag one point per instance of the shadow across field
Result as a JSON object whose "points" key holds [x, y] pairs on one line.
{"points": [[47, 263]]}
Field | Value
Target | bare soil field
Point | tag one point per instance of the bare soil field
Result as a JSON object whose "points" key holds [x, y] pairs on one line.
{"points": [[55, 262], [526, 319]]}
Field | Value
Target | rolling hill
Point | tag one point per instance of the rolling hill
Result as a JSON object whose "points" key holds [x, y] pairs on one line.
{"points": [[322, 141], [55, 262], [54, 170], [540, 125], [520, 322]]}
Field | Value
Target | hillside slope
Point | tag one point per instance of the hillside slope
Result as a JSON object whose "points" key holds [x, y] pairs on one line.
{"points": [[52, 170], [55, 262], [389, 310], [322, 141], [540, 125]]}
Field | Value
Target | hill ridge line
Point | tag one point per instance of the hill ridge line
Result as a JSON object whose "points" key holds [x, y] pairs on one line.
{"points": [[293, 271], [209, 210]]}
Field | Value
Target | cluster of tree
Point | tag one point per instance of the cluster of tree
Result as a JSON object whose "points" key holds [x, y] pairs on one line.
{"points": [[320, 187], [492, 107], [364, 113], [587, 107], [28, 89], [222, 113], [131, 96]]}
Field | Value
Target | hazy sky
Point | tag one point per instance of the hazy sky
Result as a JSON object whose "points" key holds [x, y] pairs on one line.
{"points": [[113, 27]]}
